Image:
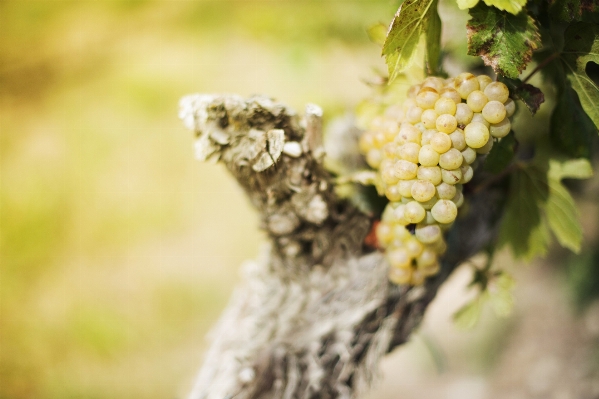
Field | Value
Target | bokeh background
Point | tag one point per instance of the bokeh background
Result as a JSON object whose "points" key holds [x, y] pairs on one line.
{"points": [[118, 250]]}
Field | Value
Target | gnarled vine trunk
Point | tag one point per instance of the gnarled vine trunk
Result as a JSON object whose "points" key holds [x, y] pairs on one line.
{"points": [[316, 312]]}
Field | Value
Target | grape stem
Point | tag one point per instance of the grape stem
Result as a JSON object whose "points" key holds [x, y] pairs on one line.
{"points": [[540, 66]]}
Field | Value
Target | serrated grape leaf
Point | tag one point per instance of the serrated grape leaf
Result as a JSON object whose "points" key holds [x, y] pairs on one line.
{"points": [[581, 47], [571, 129], [574, 10], [530, 95], [377, 33], [522, 227], [501, 154], [511, 6], [504, 41], [465, 4], [408, 25]]}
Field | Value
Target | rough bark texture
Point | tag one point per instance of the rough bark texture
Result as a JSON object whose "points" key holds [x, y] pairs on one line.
{"points": [[316, 312]]}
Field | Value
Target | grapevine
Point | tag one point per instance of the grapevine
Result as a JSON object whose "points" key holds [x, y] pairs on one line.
{"points": [[424, 151]]}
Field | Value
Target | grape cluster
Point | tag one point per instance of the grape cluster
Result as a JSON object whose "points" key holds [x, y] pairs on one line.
{"points": [[423, 151]]}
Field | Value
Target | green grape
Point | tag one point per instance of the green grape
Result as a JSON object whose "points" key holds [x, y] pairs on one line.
{"points": [[429, 118], [452, 159], [417, 278], [428, 257], [483, 81], [444, 211], [485, 149], [430, 270], [497, 91], [440, 142], [463, 114], [401, 234], [408, 134], [384, 234], [414, 212], [399, 258], [405, 169], [467, 173], [400, 276], [392, 193], [445, 191], [374, 158], [427, 205], [427, 135], [476, 100], [430, 173], [477, 135], [458, 140], [420, 126], [413, 114], [500, 129], [458, 199], [479, 118], [413, 91], [510, 107], [428, 156], [494, 112], [409, 152], [451, 176], [423, 190], [390, 150], [405, 187], [434, 82], [389, 175], [446, 123], [466, 83], [399, 215], [440, 246], [426, 97], [452, 94], [428, 234], [445, 105], [414, 247], [469, 155]]}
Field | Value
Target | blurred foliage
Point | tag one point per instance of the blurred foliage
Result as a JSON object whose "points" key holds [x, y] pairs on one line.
{"points": [[112, 236]]}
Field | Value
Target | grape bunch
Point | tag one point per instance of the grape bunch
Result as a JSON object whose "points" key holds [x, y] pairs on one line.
{"points": [[424, 151]]}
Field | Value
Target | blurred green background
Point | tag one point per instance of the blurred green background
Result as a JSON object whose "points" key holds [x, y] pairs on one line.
{"points": [[118, 250]]}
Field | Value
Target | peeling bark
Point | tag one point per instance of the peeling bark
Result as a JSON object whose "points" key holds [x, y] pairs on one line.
{"points": [[316, 312]]}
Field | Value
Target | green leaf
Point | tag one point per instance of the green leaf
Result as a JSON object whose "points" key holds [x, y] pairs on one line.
{"points": [[504, 41], [560, 209], [377, 33], [467, 316], [501, 154], [582, 47], [433, 42], [531, 96], [511, 6], [574, 10], [500, 293], [570, 169], [465, 4], [563, 216], [523, 228], [568, 113], [409, 24]]}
